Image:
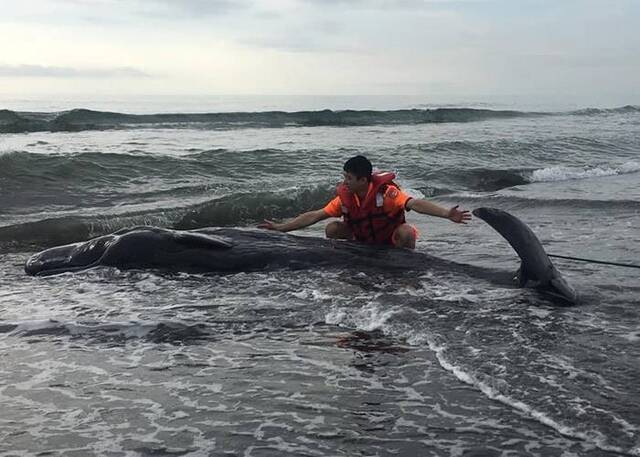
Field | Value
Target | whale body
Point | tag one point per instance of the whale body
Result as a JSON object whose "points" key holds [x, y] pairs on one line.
{"points": [[226, 250]]}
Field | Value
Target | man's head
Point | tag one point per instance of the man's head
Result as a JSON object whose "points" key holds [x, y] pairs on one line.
{"points": [[357, 173]]}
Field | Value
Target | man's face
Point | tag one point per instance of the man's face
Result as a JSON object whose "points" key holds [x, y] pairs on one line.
{"points": [[355, 184]]}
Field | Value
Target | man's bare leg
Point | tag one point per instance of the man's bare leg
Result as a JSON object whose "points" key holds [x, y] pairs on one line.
{"points": [[405, 236]]}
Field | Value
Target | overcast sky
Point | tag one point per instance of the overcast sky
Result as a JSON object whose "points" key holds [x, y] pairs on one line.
{"points": [[473, 47]]}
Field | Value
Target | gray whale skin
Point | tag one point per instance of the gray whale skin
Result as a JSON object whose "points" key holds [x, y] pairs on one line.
{"points": [[234, 250]]}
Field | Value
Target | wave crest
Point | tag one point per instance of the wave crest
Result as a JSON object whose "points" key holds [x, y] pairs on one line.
{"points": [[560, 173], [84, 119], [237, 209]]}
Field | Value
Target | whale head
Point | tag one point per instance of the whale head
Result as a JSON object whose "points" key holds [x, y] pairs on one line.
{"points": [[70, 257]]}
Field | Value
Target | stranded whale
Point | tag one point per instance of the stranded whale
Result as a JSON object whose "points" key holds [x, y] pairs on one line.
{"points": [[235, 250]]}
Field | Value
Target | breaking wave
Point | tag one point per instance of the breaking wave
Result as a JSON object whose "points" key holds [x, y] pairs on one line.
{"points": [[236, 209], [493, 179], [559, 173], [84, 119], [197, 206], [627, 109]]}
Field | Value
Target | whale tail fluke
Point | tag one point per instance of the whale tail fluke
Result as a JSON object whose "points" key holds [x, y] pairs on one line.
{"points": [[564, 290], [536, 265]]}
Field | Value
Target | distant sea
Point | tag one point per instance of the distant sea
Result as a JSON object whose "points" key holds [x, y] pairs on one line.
{"points": [[323, 362]]}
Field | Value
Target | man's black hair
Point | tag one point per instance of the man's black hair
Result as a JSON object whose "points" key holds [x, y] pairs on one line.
{"points": [[359, 166]]}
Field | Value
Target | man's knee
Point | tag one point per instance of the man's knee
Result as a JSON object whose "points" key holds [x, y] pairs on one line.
{"points": [[337, 230], [405, 236]]}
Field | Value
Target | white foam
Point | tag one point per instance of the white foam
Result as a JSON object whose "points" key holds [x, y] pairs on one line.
{"points": [[593, 437], [36, 325], [335, 316], [632, 337], [559, 173], [538, 312], [368, 318]]}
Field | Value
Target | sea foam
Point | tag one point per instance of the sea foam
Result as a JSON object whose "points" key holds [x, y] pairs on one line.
{"points": [[559, 173], [593, 437]]}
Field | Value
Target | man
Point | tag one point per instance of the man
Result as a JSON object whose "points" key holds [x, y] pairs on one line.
{"points": [[373, 209]]}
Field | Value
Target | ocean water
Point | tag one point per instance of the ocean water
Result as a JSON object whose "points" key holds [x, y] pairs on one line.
{"points": [[326, 361]]}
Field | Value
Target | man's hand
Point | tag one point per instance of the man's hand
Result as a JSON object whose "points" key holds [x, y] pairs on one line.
{"points": [[457, 216], [301, 221], [269, 225]]}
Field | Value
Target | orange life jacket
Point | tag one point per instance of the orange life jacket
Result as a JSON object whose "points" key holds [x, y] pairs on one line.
{"points": [[368, 221]]}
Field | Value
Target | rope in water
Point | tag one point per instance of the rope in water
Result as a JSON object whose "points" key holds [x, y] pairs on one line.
{"points": [[627, 265]]}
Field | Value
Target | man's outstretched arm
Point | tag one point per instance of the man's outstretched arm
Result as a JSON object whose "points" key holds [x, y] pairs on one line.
{"points": [[301, 221], [427, 207]]}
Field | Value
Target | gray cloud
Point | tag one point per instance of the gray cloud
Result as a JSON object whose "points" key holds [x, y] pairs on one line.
{"points": [[393, 4], [174, 10], [307, 36], [198, 8], [42, 71], [578, 61], [120, 12]]}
